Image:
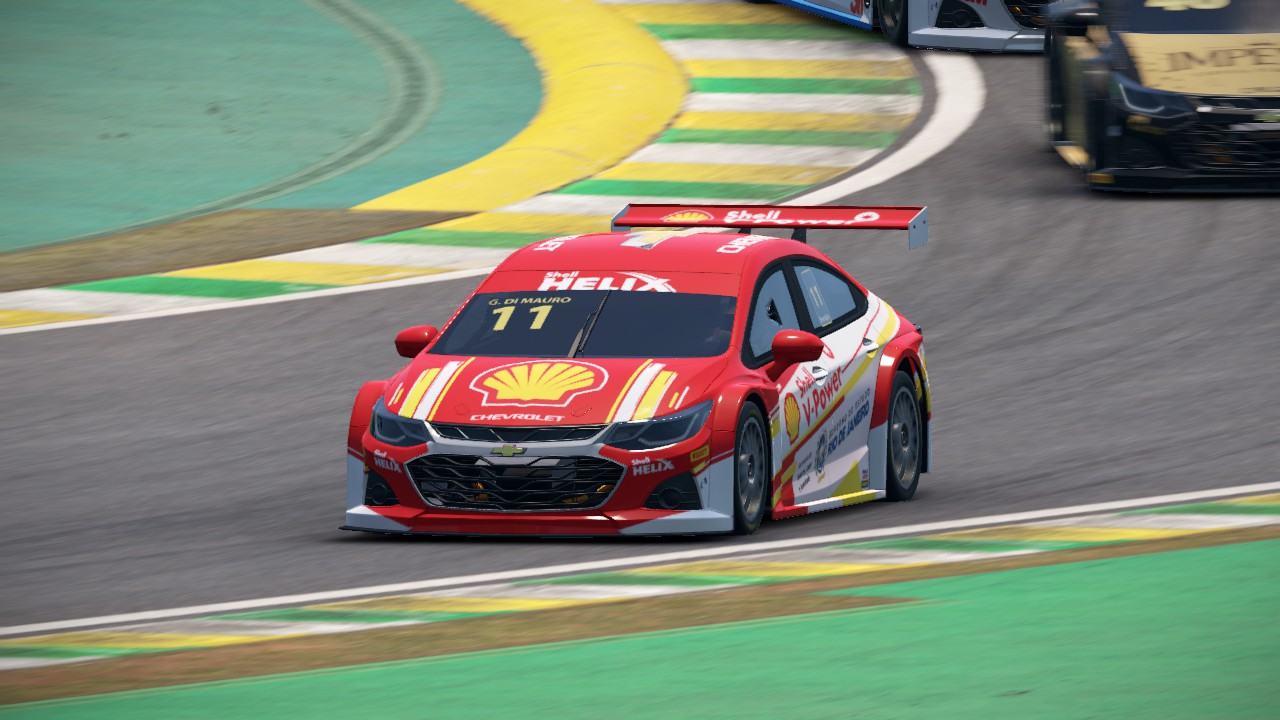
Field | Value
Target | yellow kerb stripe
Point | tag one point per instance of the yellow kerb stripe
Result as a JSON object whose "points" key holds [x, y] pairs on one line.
{"points": [[594, 113], [18, 318], [528, 222], [710, 172], [445, 391], [613, 411], [717, 13], [845, 69], [142, 640], [648, 404], [833, 122], [1258, 500], [416, 391], [1066, 534], [746, 568], [409, 603], [302, 272]]}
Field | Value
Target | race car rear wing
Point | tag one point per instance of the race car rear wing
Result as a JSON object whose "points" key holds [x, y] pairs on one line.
{"points": [[799, 218]]}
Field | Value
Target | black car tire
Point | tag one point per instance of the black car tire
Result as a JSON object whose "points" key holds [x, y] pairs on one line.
{"points": [[891, 15], [905, 431], [1097, 111], [1055, 122], [752, 470]]}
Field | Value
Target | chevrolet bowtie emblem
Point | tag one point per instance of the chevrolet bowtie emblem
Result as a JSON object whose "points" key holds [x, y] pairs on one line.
{"points": [[507, 451]]}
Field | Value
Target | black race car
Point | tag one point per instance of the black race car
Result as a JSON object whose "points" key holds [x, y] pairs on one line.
{"points": [[1166, 95]]}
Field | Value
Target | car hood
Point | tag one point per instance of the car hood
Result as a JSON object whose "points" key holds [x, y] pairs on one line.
{"points": [[548, 391], [1236, 64]]}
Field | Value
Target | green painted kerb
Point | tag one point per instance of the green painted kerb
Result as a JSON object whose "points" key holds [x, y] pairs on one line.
{"points": [[125, 112], [1181, 635]]}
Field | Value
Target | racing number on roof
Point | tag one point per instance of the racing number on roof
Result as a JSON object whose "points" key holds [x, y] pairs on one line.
{"points": [[1176, 5]]}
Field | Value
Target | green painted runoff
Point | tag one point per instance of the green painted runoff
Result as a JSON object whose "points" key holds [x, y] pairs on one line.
{"points": [[1188, 634]]}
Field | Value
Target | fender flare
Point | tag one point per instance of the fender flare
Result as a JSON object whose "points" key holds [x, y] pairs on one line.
{"points": [[361, 413], [903, 350], [724, 418]]}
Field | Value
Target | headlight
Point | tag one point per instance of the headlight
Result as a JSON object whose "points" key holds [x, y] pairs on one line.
{"points": [[395, 430], [1145, 101], [659, 432]]}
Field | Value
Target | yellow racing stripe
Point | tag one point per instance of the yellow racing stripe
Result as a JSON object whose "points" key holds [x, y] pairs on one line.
{"points": [[648, 404], [613, 411], [417, 390], [445, 390]]}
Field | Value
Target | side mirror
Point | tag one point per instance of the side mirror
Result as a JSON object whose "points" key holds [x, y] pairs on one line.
{"points": [[1075, 18], [791, 347], [413, 340]]}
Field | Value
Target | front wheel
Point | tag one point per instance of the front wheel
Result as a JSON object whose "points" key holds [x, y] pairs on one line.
{"points": [[892, 16], [906, 435], [752, 475]]}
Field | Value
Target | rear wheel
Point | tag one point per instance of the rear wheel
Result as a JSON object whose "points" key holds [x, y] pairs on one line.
{"points": [[752, 476], [892, 16], [906, 436]]}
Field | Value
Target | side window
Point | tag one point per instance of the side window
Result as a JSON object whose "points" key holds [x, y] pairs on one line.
{"points": [[772, 312], [829, 299]]}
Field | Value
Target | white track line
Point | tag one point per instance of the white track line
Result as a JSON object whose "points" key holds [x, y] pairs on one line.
{"points": [[780, 50], [961, 94], [616, 563]]}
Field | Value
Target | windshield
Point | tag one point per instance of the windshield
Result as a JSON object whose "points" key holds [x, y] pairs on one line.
{"points": [[591, 323], [1206, 17]]}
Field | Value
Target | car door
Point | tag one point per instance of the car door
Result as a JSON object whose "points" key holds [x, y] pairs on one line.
{"points": [[835, 406]]}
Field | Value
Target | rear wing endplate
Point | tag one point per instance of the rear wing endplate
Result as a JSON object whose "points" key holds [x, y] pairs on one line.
{"points": [[798, 218]]}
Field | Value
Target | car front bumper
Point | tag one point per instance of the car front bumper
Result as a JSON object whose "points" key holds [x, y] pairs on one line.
{"points": [[627, 510]]}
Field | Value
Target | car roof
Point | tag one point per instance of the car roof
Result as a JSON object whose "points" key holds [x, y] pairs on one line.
{"points": [[688, 250]]}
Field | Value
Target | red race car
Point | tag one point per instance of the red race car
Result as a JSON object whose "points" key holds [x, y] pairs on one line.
{"points": [[655, 382]]}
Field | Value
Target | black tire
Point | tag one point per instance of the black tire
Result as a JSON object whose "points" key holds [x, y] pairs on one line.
{"points": [[905, 431], [1055, 121], [1097, 111], [891, 15], [752, 470]]}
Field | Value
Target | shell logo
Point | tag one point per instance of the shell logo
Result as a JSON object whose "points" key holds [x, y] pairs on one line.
{"points": [[539, 382], [791, 413], [687, 216]]}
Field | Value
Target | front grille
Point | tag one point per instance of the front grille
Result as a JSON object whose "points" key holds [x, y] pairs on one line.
{"points": [[955, 14], [1216, 146], [1028, 13], [517, 435], [476, 482]]}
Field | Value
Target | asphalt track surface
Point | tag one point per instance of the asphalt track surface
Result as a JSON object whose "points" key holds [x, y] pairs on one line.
{"points": [[1082, 348]]}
